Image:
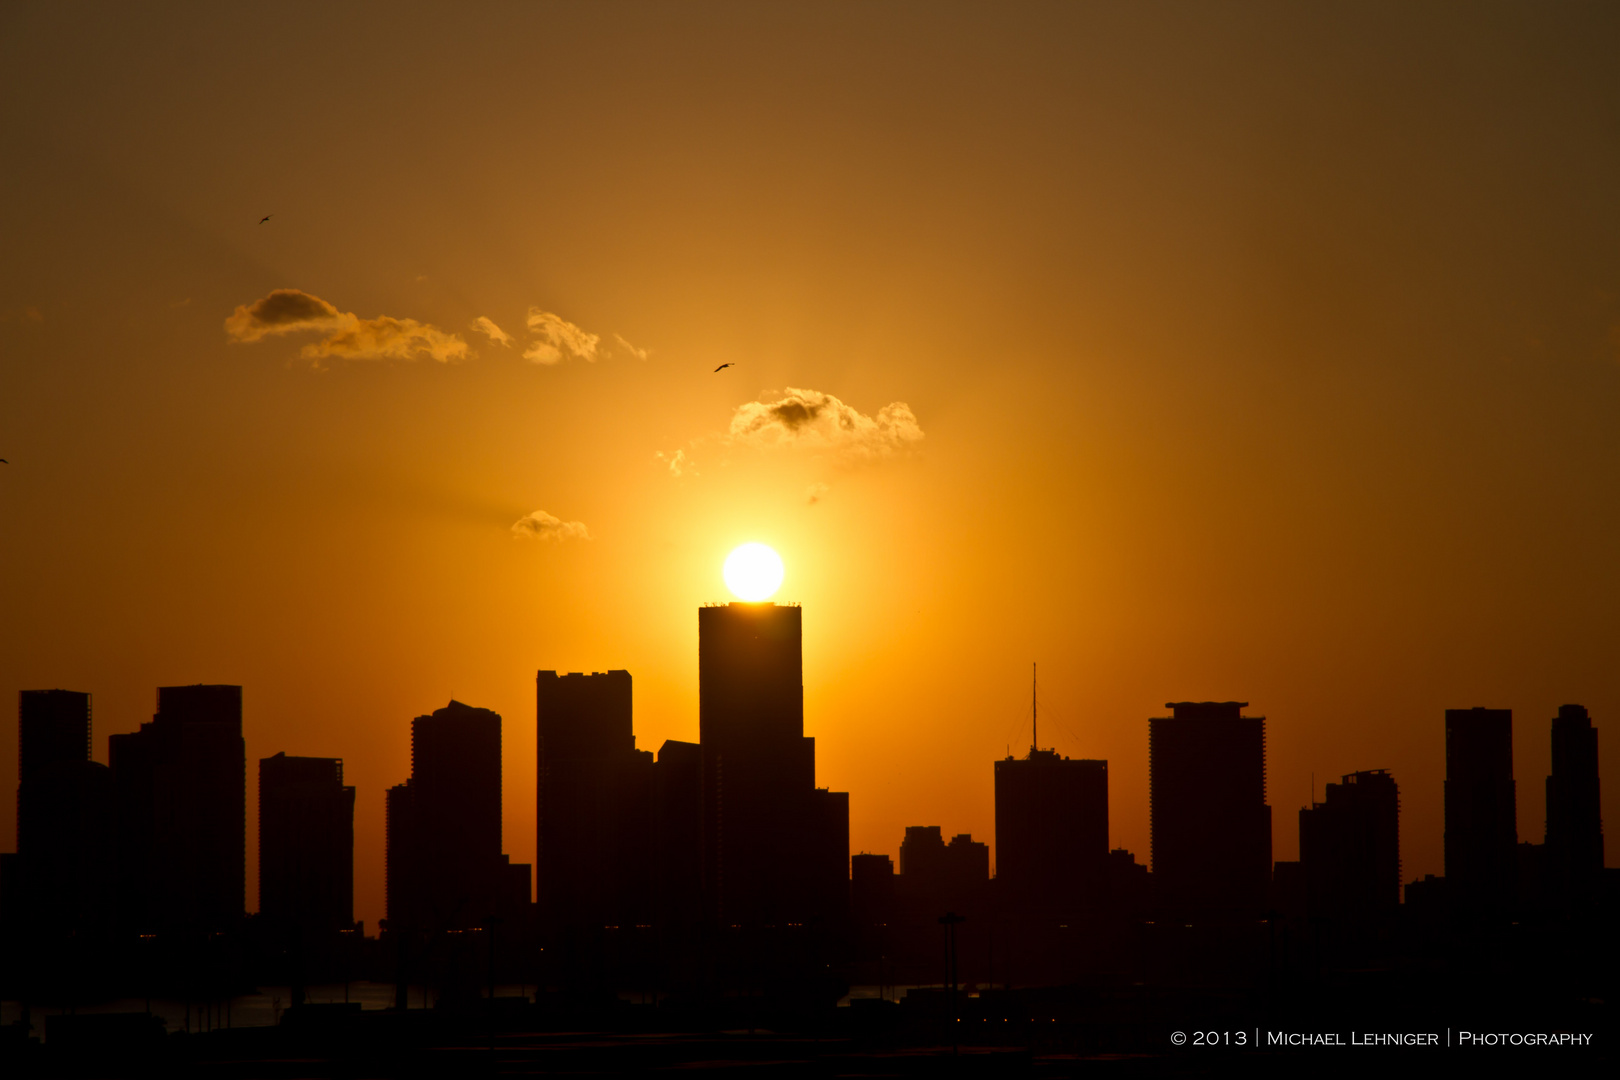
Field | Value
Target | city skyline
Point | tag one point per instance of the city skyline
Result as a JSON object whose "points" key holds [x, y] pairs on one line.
{"points": [[1202, 718]]}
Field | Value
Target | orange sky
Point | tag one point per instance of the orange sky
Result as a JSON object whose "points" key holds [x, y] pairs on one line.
{"points": [[1267, 352]]}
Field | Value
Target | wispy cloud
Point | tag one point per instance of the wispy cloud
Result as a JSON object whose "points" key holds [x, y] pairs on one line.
{"points": [[679, 464], [814, 492], [639, 354], [486, 326], [558, 338], [543, 526], [810, 419], [344, 334]]}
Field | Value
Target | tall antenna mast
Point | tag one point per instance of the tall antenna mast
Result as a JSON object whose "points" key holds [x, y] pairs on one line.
{"points": [[1034, 708]]}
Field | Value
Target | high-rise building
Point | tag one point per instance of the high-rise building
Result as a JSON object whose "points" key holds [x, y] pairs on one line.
{"points": [[1481, 824], [445, 866], [593, 859], [306, 846], [775, 847], [1350, 848], [1574, 810], [58, 878], [1051, 833], [677, 831], [180, 798], [1210, 827]]}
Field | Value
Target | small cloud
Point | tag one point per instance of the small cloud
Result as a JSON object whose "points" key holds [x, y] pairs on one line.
{"points": [[181, 303], [639, 354], [486, 326], [814, 420], [679, 464], [814, 492], [283, 311], [400, 339], [346, 335], [558, 337], [542, 526]]}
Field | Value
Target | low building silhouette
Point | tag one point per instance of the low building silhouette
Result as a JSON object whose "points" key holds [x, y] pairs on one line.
{"points": [[936, 877]]}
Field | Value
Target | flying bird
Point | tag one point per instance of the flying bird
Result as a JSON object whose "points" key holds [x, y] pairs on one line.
{"points": [[723, 367], [266, 218]]}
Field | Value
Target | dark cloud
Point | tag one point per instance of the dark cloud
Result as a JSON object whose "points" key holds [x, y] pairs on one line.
{"points": [[346, 335]]}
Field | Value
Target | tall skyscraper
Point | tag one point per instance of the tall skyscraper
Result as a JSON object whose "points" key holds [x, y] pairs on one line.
{"points": [[1481, 824], [1350, 848], [1210, 827], [58, 878], [306, 846], [1051, 833], [445, 866], [180, 797], [1574, 810], [593, 858], [775, 848]]}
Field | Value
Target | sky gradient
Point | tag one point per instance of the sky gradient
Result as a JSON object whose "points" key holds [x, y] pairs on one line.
{"points": [[1263, 352]]}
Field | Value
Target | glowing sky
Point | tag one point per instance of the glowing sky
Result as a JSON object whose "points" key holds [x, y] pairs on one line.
{"points": [[1266, 352]]}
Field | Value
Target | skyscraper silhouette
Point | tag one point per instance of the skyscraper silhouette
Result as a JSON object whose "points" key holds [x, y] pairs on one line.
{"points": [[1574, 851], [180, 797], [1350, 848], [306, 846], [445, 866], [775, 847], [58, 878], [594, 814], [1481, 826], [1051, 833], [1210, 827]]}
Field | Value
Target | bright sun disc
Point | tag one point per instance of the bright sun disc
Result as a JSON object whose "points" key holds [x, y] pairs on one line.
{"points": [[753, 572]]}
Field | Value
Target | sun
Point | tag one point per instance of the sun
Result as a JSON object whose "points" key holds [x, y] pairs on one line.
{"points": [[753, 572]]}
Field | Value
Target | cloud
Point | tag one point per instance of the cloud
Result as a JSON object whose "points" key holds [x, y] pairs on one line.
{"points": [[814, 492], [346, 335], [812, 420], [639, 354], [486, 326], [558, 336], [542, 526], [679, 463]]}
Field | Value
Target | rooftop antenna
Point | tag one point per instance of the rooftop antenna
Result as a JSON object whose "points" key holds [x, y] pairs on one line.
{"points": [[1034, 708]]}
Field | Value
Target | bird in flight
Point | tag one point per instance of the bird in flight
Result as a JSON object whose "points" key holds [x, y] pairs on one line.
{"points": [[723, 367], [266, 218]]}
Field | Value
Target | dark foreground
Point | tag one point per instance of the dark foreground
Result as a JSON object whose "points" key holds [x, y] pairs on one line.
{"points": [[1054, 1032]]}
